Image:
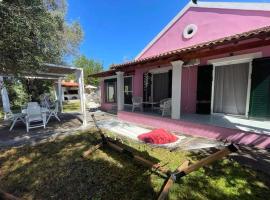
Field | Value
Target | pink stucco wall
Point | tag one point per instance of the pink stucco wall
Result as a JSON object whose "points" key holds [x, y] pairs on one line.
{"points": [[202, 130], [189, 89], [138, 82], [212, 24]]}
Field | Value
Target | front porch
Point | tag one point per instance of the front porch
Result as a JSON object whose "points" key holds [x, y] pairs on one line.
{"points": [[234, 129], [213, 89]]}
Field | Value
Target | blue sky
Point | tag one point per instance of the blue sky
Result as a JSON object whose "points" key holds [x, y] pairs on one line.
{"points": [[117, 30]]}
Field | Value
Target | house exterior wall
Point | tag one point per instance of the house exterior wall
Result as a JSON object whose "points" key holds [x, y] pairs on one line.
{"points": [[189, 89], [212, 24], [189, 81], [138, 82]]}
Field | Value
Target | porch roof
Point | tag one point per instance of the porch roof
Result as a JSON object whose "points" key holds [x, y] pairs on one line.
{"points": [[246, 40]]}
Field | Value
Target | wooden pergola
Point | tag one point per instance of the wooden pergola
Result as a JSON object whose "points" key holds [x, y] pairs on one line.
{"points": [[58, 73]]}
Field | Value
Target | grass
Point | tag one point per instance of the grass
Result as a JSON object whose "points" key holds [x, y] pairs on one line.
{"points": [[1, 113], [71, 106], [56, 170]]}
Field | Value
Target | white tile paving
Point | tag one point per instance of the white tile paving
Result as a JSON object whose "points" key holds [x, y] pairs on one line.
{"points": [[228, 121]]}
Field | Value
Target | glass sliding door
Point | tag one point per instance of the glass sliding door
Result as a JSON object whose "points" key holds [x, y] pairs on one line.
{"points": [[230, 89], [128, 90], [161, 86]]}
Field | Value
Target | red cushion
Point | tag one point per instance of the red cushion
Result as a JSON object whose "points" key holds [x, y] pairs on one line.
{"points": [[158, 136]]}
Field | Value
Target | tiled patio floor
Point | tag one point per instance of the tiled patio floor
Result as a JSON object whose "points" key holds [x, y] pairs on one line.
{"points": [[225, 128], [70, 124]]}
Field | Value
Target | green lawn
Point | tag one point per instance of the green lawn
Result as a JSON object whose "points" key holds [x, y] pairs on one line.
{"points": [[71, 106], [56, 170]]}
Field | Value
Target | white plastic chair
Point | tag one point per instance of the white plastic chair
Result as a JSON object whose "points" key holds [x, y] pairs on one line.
{"points": [[137, 103], [161, 104], [54, 112], [45, 101], [14, 117], [166, 107], [34, 114]]}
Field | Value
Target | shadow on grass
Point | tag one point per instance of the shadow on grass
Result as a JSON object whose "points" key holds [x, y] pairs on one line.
{"points": [[224, 179], [56, 170]]}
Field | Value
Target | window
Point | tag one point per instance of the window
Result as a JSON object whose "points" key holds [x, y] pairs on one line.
{"points": [[128, 90], [110, 90], [189, 31], [72, 92]]}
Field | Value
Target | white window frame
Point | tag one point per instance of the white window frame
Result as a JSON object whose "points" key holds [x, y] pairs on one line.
{"points": [[109, 77], [106, 92], [160, 70], [245, 58], [131, 87]]}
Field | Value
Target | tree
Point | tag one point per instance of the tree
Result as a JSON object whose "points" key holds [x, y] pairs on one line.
{"points": [[89, 66], [33, 32]]}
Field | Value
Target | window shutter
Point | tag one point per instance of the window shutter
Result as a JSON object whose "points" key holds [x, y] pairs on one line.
{"points": [[260, 88], [147, 82]]}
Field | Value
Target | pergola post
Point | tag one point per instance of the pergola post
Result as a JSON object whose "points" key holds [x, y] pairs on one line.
{"points": [[59, 94], [80, 79], [5, 98], [176, 89], [120, 90]]}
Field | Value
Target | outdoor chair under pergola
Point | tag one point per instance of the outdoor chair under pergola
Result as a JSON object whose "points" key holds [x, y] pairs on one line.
{"points": [[48, 72]]}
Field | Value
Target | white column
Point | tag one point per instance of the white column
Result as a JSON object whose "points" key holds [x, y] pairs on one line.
{"points": [[80, 79], [60, 94], [120, 90], [176, 89]]}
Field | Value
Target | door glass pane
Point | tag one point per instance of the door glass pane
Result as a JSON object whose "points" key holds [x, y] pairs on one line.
{"points": [[128, 90], [230, 91], [128, 97], [128, 84], [161, 86], [111, 92]]}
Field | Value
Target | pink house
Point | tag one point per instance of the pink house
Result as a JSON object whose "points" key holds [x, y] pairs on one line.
{"points": [[207, 73]]}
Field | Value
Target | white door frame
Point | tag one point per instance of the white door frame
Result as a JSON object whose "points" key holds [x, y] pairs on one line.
{"points": [[245, 58]]}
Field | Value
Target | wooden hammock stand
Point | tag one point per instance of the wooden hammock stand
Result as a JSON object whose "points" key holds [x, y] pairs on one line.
{"points": [[7, 196], [184, 169]]}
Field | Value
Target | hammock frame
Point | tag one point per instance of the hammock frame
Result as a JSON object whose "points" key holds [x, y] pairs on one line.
{"points": [[171, 177]]}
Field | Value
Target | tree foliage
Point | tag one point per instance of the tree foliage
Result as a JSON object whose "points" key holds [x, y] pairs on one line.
{"points": [[21, 90], [89, 66], [17, 92], [33, 32]]}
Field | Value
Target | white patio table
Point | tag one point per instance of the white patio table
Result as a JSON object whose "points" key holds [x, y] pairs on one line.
{"points": [[24, 111], [43, 110], [150, 103]]}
